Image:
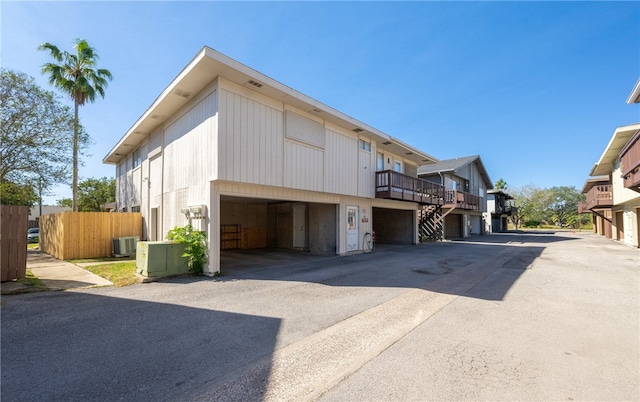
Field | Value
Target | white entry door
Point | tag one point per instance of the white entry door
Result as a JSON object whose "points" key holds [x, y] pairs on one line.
{"points": [[352, 228], [299, 226]]}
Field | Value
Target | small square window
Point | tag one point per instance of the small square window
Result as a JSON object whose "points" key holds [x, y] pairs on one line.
{"points": [[364, 145], [136, 158], [397, 166]]}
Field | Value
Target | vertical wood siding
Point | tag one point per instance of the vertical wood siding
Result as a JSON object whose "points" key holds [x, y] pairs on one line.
{"points": [[303, 166], [188, 146], [251, 141], [341, 164], [366, 174]]}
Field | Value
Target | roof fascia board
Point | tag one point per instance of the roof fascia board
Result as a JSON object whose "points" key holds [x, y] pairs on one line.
{"points": [[157, 101], [634, 96]]}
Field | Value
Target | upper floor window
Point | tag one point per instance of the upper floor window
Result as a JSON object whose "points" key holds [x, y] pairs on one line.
{"points": [[380, 161], [397, 166], [364, 145], [136, 158]]}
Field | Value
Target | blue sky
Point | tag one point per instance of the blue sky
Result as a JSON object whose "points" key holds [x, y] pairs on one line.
{"points": [[535, 88]]}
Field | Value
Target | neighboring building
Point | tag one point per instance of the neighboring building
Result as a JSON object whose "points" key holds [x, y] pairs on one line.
{"points": [[466, 181], [35, 213], [500, 207], [256, 164], [613, 195]]}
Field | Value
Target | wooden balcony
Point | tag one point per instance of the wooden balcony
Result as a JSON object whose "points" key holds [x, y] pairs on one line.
{"points": [[599, 196], [397, 186], [630, 158], [462, 200]]}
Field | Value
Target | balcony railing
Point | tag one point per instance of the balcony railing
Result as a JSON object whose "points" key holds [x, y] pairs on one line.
{"points": [[462, 200], [600, 196], [398, 186]]}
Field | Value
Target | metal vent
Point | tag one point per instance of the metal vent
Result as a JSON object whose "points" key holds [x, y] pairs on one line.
{"points": [[182, 93], [255, 83]]}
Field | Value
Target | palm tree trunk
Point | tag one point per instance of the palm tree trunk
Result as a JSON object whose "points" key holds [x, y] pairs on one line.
{"points": [[74, 184]]}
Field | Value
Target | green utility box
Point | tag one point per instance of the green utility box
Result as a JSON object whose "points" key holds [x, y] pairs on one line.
{"points": [[159, 259]]}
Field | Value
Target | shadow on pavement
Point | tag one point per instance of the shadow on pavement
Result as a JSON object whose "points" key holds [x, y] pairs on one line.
{"points": [[74, 346], [443, 267]]}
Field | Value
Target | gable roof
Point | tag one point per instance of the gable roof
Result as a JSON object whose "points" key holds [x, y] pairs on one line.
{"points": [[209, 64], [618, 140], [453, 165]]}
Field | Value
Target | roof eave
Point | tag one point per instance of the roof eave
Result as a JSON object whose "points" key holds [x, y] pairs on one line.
{"points": [[634, 96], [209, 61]]}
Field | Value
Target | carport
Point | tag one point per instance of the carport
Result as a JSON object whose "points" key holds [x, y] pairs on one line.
{"points": [[270, 225], [394, 226], [453, 226]]}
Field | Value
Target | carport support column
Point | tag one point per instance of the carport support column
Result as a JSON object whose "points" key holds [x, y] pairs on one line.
{"points": [[213, 231], [416, 227]]}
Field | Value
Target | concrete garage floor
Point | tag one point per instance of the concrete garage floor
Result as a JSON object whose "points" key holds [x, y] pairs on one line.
{"points": [[523, 316], [235, 262]]}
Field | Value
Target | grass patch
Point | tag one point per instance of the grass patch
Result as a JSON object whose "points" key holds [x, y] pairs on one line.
{"points": [[33, 282], [32, 245], [120, 273]]}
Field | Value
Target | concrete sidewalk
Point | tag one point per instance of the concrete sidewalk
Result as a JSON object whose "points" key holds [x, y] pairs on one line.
{"points": [[55, 274]]}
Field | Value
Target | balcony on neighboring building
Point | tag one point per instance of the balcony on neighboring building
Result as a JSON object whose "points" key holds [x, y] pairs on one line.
{"points": [[599, 196], [630, 163]]}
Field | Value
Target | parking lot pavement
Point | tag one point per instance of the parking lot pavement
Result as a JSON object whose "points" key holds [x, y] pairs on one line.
{"points": [[515, 316]]}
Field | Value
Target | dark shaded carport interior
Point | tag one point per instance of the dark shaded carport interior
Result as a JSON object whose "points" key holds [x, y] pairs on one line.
{"points": [[393, 226], [255, 231]]}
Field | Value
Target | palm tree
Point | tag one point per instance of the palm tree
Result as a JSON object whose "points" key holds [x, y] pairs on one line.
{"points": [[78, 76]]}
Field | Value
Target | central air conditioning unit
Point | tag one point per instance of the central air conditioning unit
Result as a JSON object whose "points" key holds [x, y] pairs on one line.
{"points": [[125, 246]]}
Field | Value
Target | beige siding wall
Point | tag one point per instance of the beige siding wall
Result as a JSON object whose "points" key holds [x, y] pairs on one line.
{"points": [[622, 195], [366, 173], [303, 167], [188, 145], [251, 136], [341, 157]]}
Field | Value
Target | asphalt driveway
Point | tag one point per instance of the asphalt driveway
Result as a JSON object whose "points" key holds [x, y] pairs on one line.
{"points": [[514, 316]]}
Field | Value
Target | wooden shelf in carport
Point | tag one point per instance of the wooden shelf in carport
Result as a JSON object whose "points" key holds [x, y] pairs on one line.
{"points": [[230, 236]]}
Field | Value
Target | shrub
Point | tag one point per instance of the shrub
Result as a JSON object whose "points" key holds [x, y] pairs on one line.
{"points": [[195, 246]]}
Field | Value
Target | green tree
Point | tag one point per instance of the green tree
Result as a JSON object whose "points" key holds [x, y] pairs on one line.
{"points": [[501, 185], [563, 204], [16, 194], [93, 195], [555, 205], [36, 132], [77, 76], [523, 198]]}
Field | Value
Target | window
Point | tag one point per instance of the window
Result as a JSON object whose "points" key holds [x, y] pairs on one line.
{"points": [[380, 162], [136, 158], [397, 166], [135, 209], [364, 145], [351, 219]]}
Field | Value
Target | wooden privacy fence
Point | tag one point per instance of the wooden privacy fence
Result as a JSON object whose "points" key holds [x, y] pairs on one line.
{"points": [[72, 235], [13, 241]]}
